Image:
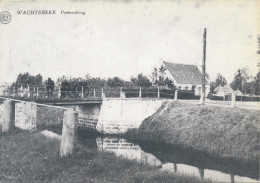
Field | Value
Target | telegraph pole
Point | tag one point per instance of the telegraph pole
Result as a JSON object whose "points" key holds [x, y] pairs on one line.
{"points": [[204, 67]]}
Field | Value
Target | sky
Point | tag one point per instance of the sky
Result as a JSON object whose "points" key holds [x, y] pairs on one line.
{"points": [[130, 37]]}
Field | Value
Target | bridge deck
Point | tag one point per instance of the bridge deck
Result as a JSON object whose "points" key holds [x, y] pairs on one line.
{"points": [[56, 101], [59, 101]]}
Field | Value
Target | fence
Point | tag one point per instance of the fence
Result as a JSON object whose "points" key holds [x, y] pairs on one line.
{"points": [[99, 92], [238, 98]]}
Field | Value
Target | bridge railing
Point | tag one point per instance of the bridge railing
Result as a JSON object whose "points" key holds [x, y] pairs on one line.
{"points": [[101, 92]]}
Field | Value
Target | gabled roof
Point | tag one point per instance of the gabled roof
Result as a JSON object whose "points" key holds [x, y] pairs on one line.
{"points": [[238, 93], [226, 89], [185, 74], [218, 88]]}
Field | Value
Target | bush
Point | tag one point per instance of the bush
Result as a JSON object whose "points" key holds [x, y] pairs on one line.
{"points": [[248, 98], [148, 92], [164, 93], [188, 94]]}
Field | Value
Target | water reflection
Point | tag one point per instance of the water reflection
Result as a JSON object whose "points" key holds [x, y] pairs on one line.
{"points": [[133, 151], [122, 147]]}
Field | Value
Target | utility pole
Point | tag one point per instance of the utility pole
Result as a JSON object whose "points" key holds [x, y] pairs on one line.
{"points": [[202, 100]]}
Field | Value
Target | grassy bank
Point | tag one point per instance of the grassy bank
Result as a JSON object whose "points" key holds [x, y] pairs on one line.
{"points": [[226, 132], [32, 157]]}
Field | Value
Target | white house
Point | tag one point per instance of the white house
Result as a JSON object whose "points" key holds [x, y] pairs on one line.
{"points": [[186, 77], [226, 90]]}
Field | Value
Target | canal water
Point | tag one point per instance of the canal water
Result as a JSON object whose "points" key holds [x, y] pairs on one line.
{"points": [[176, 159]]}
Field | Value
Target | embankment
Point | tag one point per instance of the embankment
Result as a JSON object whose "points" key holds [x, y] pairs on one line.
{"points": [[225, 132]]}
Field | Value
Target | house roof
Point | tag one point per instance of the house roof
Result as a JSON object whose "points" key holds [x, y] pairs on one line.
{"points": [[218, 88], [226, 89], [185, 74], [238, 93]]}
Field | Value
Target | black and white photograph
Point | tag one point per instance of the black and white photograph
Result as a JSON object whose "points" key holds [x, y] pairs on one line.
{"points": [[129, 91]]}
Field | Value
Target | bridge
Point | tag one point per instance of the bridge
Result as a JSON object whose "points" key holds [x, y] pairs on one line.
{"points": [[60, 101], [108, 111]]}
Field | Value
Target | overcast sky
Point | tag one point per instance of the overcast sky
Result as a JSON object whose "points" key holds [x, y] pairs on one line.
{"points": [[126, 38]]}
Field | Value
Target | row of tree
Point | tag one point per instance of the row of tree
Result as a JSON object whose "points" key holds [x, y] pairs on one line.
{"points": [[242, 81], [157, 79]]}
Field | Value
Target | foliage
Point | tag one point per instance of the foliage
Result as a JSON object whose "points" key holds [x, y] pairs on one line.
{"points": [[27, 79], [220, 81], [92, 82], [159, 78], [115, 81], [141, 81], [257, 84], [248, 87], [241, 76], [148, 92]]}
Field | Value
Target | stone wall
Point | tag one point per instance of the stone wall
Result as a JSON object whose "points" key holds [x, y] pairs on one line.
{"points": [[26, 115]]}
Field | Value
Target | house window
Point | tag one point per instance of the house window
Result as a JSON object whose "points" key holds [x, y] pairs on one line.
{"points": [[186, 87], [179, 87]]}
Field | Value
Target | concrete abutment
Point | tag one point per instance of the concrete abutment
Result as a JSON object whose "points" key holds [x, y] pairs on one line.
{"points": [[8, 115]]}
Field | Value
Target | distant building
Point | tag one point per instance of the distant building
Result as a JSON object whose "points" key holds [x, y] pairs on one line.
{"points": [[223, 90], [238, 93], [226, 90], [186, 77]]}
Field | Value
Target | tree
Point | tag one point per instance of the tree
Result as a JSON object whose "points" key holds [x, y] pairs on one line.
{"points": [[220, 81], [141, 80], [257, 84], [27, 79], [159, 78], [115, 81], [241, 76], [90, 82], [154, 75]]}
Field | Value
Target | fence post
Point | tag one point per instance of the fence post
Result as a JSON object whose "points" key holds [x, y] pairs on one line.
{"points": [[37, 92], [82, 94], [121, 92], [140, 92], [69, 132], [33, 92], [103, 94], [21, 91], [94, 93], [14, 93], [59, 93], [8, 116], [158, 96], [175, 95], [233, 102], [28, 92]]}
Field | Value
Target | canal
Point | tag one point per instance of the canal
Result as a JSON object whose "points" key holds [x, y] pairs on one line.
{"points": [[175, 159]]}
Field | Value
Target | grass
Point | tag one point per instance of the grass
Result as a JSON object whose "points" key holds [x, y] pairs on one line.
{"points": [[32, 157], [226, 132]]}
